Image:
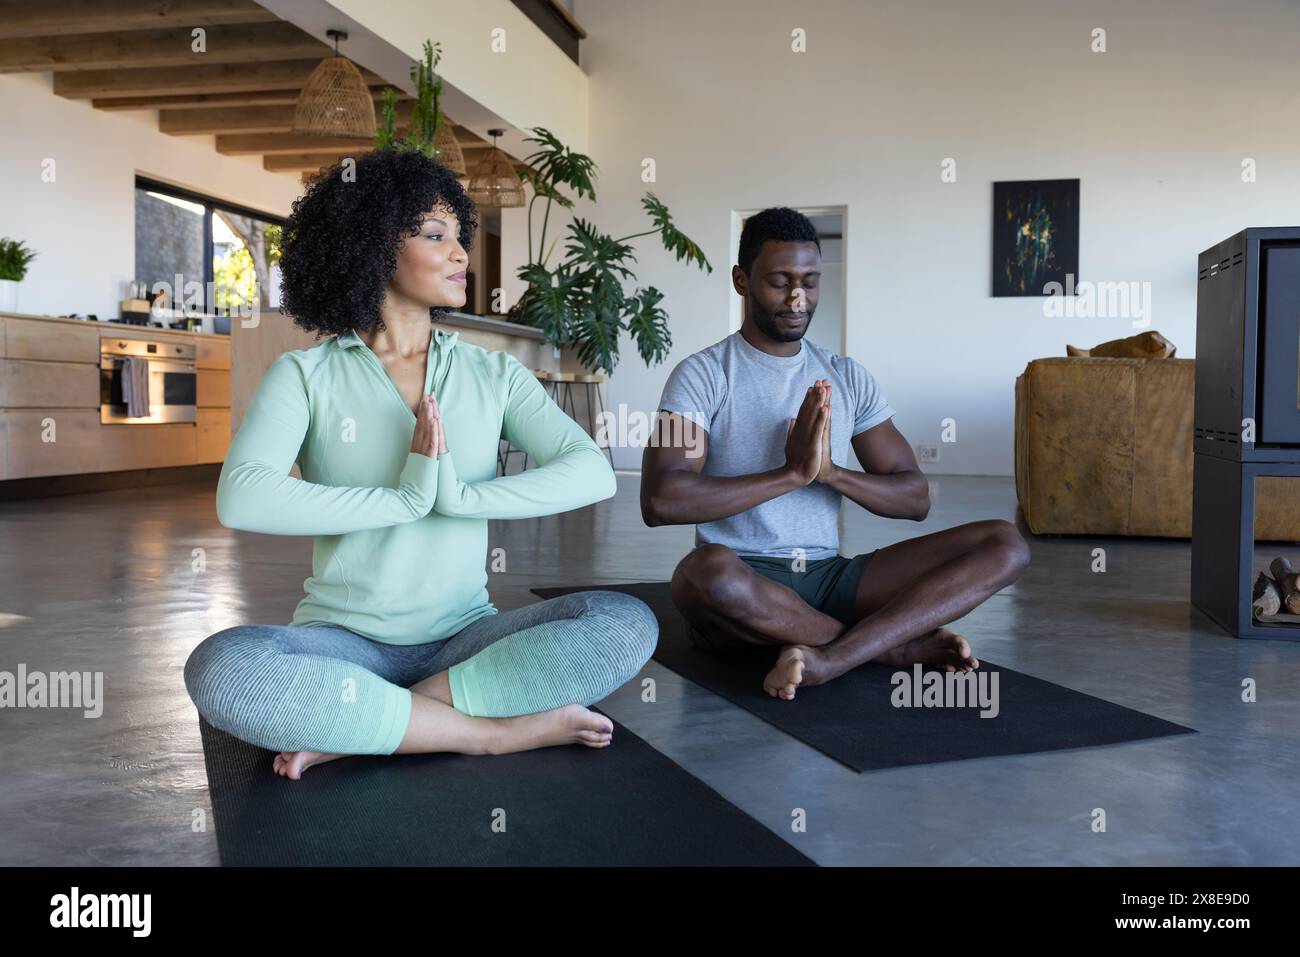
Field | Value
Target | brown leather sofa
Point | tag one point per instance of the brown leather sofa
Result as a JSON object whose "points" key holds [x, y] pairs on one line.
{"points": [[1104, 447]]}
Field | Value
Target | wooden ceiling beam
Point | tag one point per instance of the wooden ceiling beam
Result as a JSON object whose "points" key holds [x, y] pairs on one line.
{"points": [[283, 144], [205, 101], [276, 120], [207, 78], [173, 47], [309, 161], [255, 119], [23, 18], [272, 144], [298, 162]]}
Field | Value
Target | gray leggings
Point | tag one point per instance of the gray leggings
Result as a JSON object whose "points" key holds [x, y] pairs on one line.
{"points": [[325, 688]]}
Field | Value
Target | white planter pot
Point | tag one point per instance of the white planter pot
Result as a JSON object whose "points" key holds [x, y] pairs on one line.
{"points": [[8, 295]]}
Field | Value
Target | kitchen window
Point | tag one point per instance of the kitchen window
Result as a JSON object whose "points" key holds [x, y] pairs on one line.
{"points": [[231, 252]]}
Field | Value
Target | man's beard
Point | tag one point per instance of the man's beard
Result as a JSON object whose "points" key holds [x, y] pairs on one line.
{"points": [[771, 327]]}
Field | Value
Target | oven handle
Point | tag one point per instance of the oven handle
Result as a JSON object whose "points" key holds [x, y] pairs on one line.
{"points": [[111, 363]]}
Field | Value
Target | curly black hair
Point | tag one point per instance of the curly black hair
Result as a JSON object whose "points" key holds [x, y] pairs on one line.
{"points": [[338, 248], [778, 223]]}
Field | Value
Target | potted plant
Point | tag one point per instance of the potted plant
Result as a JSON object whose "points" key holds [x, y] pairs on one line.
{"points": [[426, 113], [580, 301], [14, 257]]}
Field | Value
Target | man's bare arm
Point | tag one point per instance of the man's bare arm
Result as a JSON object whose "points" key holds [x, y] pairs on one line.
{"points": [[892, 484], [675, 492]]}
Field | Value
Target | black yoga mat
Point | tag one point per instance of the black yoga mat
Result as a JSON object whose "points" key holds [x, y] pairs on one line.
{"points": [[852, 719], [622, 805]]}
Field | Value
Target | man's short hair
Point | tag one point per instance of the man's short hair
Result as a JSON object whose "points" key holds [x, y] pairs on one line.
{"points": [[778, 223]]}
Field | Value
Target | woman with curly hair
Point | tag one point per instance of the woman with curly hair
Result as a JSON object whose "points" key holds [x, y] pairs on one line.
{"points": [[395, 426]]}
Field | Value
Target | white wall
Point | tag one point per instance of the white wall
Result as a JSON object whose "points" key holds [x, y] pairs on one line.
{"points": [[1156, 129], [83, 223]]}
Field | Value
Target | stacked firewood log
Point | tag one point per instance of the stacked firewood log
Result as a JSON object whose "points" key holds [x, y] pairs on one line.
{"points": [[1272, 595]]}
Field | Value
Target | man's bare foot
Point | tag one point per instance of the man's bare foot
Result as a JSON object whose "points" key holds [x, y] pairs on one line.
{"points": [[291, 764], [803, 666], [787, 674], [571, 724], [797, 666], [940, 648]]}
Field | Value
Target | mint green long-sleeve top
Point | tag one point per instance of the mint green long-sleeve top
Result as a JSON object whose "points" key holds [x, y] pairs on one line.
{"points": [[401, 538]]}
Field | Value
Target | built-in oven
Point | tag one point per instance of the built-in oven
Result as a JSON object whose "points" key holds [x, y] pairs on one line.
{"points": [[170, 373]]}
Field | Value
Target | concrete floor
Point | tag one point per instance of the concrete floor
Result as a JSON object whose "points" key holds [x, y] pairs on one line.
{"points": [[110, 582]]}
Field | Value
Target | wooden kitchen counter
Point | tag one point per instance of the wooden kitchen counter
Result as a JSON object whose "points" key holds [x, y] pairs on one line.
{"points": [[113, 328], [50, 398], [50, 389]]}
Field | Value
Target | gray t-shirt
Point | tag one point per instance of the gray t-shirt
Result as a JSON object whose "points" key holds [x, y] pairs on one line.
{"points": [[744, 398]]}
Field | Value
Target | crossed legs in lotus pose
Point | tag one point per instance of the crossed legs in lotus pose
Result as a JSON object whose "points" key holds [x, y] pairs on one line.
{"points": [[908, 592]]}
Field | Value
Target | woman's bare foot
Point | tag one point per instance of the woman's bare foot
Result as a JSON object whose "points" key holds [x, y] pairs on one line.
{"points": [[940, 648], [571, 724], [291, 764]]}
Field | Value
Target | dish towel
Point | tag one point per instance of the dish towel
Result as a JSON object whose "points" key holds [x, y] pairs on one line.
{"points": [[135, 387]]}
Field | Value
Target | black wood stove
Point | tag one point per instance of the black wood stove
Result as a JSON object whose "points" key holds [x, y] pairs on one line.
{"points": [[1247, 416]]}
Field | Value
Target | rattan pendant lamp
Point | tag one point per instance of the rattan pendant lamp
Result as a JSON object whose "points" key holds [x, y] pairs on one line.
{"points": [[449, 152], [494, 182], [335, 101]]}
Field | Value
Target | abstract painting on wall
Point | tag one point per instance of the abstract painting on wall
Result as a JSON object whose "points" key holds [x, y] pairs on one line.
{"points": [[1035, 235]]}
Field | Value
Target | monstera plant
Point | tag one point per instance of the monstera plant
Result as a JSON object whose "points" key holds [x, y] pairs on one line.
{"points": [[580, 300]]}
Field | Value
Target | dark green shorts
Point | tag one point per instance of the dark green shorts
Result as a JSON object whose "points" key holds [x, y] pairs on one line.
{"points": [[828, 584]]}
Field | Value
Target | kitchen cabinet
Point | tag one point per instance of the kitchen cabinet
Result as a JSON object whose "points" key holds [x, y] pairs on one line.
{"points": [[49, 441], [56, 342], [213, 435], [212, 398], [212, 353], [50, 393], [212, 389], [147, 446], [54, 385]]}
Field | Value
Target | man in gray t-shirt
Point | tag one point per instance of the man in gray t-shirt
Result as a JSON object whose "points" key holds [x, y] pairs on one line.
{"points": [[743, 397], [752, 447]]}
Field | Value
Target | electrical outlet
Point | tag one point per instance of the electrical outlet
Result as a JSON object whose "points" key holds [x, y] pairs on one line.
{"points": [[927, 454]]}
